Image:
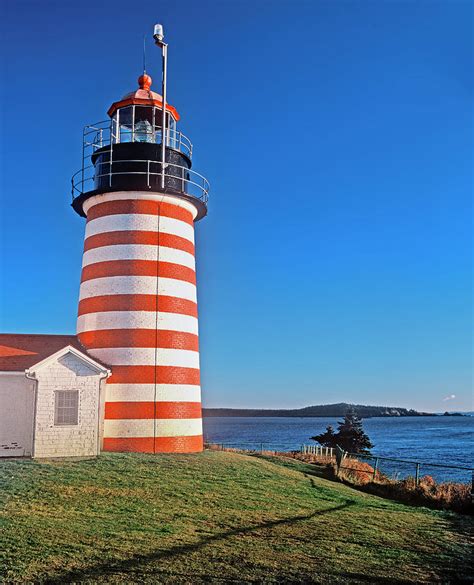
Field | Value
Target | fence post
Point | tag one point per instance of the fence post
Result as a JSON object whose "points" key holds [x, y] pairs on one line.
{"points": [[340, 454], [261, 447], [417, 474], [376, 464]]}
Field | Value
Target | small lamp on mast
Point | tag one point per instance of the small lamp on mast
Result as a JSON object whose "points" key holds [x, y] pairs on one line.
{"points": [[158, 35]]}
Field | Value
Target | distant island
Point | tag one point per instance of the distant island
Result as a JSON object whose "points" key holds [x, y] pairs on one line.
{"points": [[328, 410]]}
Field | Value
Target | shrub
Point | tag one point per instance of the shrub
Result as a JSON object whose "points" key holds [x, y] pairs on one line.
{"points": [[443, 495], [355, 471]]}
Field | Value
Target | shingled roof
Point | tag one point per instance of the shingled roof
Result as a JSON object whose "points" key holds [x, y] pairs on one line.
{"points": [[19, 352]]}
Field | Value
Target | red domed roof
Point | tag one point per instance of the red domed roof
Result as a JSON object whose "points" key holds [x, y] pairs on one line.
{"points": [[143, 97]]}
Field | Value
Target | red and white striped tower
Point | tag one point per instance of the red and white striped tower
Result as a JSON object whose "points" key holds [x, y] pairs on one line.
{"points": [[137, 307]]}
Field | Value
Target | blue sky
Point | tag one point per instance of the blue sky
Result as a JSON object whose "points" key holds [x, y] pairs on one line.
{"points": [[336, 260]]}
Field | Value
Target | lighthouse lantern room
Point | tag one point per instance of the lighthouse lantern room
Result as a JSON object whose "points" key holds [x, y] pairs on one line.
{"points": [[138, 304]]}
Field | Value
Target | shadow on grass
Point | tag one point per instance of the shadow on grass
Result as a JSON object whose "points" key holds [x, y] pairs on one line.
{"points": [[130, 564], [362, 578], [316, 469]]}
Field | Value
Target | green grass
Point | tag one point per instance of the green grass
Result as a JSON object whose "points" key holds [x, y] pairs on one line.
{"points": [[214, 517]]}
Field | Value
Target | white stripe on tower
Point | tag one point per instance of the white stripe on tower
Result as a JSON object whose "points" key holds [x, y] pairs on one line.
{"points": [[148, 392], [138, 313], [139, 222], [136, 320], [137, 252], [137, 285]]}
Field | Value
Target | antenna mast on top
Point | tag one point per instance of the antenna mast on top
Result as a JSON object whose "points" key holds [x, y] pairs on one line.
{"points": [[144, 53], [158, 35]]}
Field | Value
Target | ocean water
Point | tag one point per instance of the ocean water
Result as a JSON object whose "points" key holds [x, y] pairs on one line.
{"points": [[440, 440]]}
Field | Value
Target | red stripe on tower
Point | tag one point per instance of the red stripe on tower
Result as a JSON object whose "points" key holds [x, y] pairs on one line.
{"points": [[109, 338], [138, 237], [137, 303], [138, 268]]}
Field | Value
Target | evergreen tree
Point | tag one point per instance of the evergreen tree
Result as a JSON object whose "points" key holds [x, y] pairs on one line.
{"points": [[326, 439], [350, 435]]}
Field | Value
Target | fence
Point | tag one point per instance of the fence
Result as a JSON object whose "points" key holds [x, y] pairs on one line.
{"points": [[384, 464], [318, 451]]}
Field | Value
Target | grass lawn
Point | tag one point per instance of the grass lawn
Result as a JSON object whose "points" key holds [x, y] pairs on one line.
{"points": [[214, 517]]}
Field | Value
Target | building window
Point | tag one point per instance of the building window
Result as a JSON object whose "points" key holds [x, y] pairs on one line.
{"points": [[66, 407]]}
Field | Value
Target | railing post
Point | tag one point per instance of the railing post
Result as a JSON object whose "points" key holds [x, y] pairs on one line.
{"points": [[148, 174], [417, 474], [110, 166], [261, 447]]}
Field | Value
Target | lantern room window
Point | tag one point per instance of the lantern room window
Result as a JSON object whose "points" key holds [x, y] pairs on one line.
{"points": [[142, 124], [125, 124], [143, 127]]}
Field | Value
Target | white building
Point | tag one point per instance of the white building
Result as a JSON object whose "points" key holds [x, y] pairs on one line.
{"points": [[51, 397]]}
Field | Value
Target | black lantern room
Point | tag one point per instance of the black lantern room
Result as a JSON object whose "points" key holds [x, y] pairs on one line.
{"points": [[125, 153]]}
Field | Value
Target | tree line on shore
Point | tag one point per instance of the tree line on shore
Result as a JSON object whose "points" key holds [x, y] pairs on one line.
{"points": [[329, 410]]}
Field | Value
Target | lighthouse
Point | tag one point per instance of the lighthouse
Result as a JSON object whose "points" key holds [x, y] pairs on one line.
{"points": [[137, 312]]}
